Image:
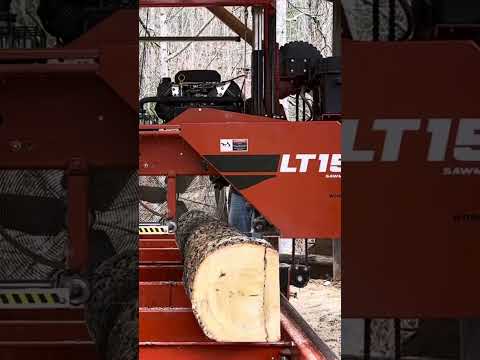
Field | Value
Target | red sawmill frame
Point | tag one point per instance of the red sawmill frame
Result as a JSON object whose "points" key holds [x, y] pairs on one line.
{"points": [[67, 109], [206, 3], [300, 205], [423, 222], [168, 328], [304, 203]]}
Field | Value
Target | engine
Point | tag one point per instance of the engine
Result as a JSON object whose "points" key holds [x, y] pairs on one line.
{"points": [[192, 89]]}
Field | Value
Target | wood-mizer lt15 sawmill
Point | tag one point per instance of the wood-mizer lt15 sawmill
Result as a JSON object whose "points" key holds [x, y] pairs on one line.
{"points": [[86, 110], [68, 192], [421, 69], [288, 171]]}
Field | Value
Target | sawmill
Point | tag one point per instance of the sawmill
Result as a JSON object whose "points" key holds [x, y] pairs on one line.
{"points": [[68, 192], [206, 288], [414, 202], [84, 278]]}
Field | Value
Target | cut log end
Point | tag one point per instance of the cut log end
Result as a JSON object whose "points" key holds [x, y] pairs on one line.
{"points": [[235, 294]]}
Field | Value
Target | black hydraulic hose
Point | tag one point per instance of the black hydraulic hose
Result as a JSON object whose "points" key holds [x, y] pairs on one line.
{"points": [[208, 100]]}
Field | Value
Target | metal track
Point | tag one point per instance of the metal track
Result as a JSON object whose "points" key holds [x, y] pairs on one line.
{"points": [[168, 328]]}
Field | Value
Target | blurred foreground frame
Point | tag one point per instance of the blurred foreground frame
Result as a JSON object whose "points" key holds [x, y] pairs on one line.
{"points": [[68, 182], [410, 215]]}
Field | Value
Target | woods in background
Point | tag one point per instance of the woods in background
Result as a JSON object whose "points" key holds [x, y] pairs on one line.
{"points": [[298, 20]]}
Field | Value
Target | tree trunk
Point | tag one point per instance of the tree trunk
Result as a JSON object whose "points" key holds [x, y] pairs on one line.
{"points": [[232, 280], [123, 338], [114, 287]]}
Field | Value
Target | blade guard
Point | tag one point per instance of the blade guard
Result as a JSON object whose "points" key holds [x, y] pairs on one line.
{"points": [[262, 159]]}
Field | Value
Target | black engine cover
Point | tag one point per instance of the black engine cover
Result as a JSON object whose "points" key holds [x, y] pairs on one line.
{"points": [[196, 89]]}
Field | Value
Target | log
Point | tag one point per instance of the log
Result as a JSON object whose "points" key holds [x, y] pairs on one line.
{"points": [[114, 287], [123, 338], [232, 280]]}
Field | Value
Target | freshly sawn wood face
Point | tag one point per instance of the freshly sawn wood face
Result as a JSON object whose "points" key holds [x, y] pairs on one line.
{"points": [[232, 280]]}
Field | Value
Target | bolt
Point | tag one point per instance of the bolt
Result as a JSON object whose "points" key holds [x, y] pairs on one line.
{"points": [[76, 163], [15, 145]]}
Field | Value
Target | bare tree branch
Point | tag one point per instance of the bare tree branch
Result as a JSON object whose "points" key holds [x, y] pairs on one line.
{"points": [[191, 42]]}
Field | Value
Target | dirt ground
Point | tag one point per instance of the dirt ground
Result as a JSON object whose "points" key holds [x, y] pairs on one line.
{"points": [[320, 304]]}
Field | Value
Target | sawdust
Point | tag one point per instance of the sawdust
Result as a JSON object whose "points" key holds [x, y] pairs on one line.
{"points": [[320, 305]]}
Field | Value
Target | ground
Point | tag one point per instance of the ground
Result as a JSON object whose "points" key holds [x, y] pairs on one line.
{"points": [[320, 305]]}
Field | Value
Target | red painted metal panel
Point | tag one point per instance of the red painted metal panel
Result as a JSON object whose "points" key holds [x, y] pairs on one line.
{"points": [[48, 350], [42, 69], [161, 272], [153, 236], [85, 112], [43, 331], [211, 351], [155, 294], [161, 153], [45, 54], [204, 115], [94, 106], [403, 248], [159, 244], [74, 314], [160, 255], [179, 296], [313, 212], [169, 325], [185, 3], [116, 40], [163, 294], [78, 217], [300, 204]]}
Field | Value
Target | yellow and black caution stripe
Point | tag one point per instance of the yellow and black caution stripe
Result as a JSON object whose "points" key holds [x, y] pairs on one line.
{"points": [[152, 230], [14, 298]]}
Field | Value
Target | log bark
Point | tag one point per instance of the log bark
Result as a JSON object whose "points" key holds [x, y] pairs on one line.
{"points": [[114, 287], [232, 280], [123, 338]]}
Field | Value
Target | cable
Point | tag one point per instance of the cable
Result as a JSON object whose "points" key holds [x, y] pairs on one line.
{"points": [[235, 78], [302, 95], [24, 250], [150, 210]]}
